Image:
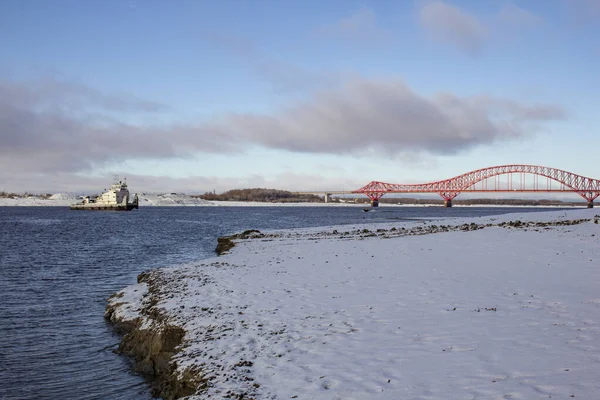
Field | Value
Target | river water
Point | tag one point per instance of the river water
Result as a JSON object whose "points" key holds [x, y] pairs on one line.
{"points": [[58, 267]]}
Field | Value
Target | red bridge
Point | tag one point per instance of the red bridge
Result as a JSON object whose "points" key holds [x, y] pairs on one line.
{"points": [[503, 178]]}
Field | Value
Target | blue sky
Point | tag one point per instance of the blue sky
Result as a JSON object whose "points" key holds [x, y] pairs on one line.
{"points": [[303, 95]]}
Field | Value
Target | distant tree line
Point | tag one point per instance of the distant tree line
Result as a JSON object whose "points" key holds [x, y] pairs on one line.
{"points": [[261, 195], [282, 196], [5, 195]]}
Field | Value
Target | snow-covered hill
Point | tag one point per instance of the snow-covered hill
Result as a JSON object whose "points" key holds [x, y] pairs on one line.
{"points": [[31, 201], [171, 199]]}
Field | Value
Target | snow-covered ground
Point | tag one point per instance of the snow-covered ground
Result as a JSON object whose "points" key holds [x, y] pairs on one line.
{"points": [[482, 311], [58, 199], [171, 199]]}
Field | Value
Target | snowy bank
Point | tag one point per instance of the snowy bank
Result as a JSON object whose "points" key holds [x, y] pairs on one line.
{"points": [[185, 200], [171, 199], [491, 307], [146, 200]]}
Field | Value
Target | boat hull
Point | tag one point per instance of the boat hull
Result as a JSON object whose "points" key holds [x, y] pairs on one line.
{"points": [[97, 207]]}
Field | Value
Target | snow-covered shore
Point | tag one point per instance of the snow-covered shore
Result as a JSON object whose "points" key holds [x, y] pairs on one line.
{"points": [[156, 200], [485, 307], [183, 200], [66, 199]]}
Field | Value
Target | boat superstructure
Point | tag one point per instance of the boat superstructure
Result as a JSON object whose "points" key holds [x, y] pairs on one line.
{"points": [[117, 198]]}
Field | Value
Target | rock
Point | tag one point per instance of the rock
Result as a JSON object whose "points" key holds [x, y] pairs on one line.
{"points": [[248, 234], [224, 244]]}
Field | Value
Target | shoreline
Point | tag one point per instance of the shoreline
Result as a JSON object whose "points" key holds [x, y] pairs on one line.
{"points": [[180, 202], [197, 327]]}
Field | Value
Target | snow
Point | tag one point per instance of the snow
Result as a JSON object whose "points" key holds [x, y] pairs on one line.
{"points": [[146, 200], [185, 200], [33, 201], [129, 301], [493, 313], [171, 199], [64, 196]]}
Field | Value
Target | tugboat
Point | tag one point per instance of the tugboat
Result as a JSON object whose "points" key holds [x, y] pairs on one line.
{"points": [[114, 199]]}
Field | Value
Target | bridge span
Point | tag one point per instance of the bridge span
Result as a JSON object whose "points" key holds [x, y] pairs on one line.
{"points": [[518, 178]]}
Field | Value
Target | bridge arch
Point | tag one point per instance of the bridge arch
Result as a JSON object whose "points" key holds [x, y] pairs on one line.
{"points": [[587, 188]]}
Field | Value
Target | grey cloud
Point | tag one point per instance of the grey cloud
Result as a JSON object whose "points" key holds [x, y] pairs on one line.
{"points": [[80, 184], [450, 24], [467, 32], [535, 112], [43, 129], [49, 92], [361, 117], [285, 77], [360, 27], [386, 116]]}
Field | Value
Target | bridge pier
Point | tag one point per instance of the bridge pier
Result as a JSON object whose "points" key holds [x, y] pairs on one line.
{"points": [[374, 203], [447, 203], [591, 204], [327, 197]]}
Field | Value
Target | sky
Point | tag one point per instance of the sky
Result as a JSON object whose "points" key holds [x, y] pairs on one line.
{"points": [[198, 95]]}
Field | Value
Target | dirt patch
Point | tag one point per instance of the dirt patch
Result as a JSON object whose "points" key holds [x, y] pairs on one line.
{"points": [[226, 243], [152, 341]]}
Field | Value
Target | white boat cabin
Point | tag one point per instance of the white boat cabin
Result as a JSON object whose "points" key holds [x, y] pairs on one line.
{"points": [[117, 194]]}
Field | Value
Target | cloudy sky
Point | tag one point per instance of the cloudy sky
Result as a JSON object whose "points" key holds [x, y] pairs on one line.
{"points": [[199, 95]]}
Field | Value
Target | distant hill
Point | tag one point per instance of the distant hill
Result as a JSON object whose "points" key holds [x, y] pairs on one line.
{"points": [[262, 195]]}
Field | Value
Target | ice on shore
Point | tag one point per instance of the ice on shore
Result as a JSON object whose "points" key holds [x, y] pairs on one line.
{"points": [[501, 312]]}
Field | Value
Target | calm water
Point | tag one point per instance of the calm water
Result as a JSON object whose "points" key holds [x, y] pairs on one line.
{"points": [[57, 268]]}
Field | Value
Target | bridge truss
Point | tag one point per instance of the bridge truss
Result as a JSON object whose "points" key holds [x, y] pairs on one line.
{"points": [[521, 178]]}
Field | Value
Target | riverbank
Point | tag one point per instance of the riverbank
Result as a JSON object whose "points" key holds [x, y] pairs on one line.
{"points": [[184, 200], [490, 307]]}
